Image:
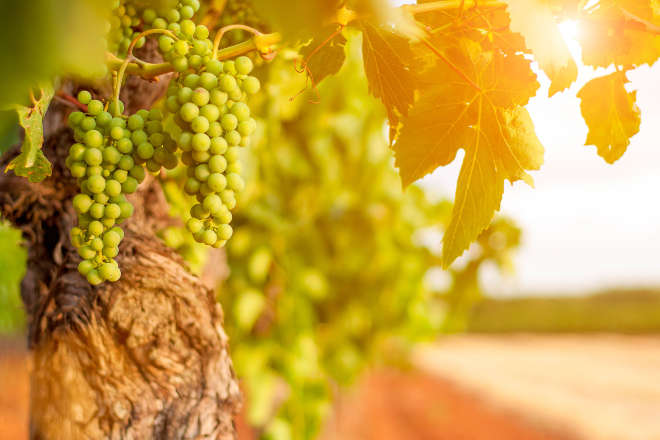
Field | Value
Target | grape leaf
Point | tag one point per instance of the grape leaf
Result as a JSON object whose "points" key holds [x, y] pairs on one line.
{"points": [[490, 124], [534, 20], [324, 57], [611, 113], [608, 35], [31, 162], [386, 59]]}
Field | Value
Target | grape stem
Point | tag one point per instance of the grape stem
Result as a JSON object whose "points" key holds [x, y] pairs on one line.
{"points": [[221, 32], [129, 57], [147, 70]]}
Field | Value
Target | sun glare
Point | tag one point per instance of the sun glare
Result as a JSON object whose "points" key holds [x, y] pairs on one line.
{"points": [[569, 30]]}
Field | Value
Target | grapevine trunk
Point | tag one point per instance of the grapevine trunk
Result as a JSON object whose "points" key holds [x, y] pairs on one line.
{"points": [[143, 358]]}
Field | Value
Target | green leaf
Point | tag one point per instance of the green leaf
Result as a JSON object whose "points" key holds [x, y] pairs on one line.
{"points": [[386, 59], [13, 259], [31, 162], [611, 113], [490, 124], [534, 20], [9, 129], [324, 54]]}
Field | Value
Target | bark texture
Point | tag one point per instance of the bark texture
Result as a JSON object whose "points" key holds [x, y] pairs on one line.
{"points": [[143, 358]]}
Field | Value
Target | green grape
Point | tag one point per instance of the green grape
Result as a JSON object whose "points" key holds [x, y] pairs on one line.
{"points": [[189, 111], [112, 188], [94, 278], [75, 118], [217, 164], [225, 231], [243, 65], [229, 121], [130, 186], [95, 228], [88, 124], [201, 142], [84, 97], [202, 172], [93, 138], [145, 151], [251, 85], [85, 266], [82, 203], [209, 237], [212, 203], [111, 238], [216, 182], [94, 107], [210, 112], [235, 182], [194, 225], [200, 97], [96, 184], [200, 124], [191, 80], [110, 252]]}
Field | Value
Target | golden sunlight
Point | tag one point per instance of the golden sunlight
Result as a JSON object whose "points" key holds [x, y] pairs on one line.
{"points": [[569, 29]]}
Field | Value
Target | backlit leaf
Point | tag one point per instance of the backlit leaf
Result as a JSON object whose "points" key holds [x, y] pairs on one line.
{"points": [[386, 57], [535, 21], [611, 113], [490, 124], [324, 55], [609, 35]]}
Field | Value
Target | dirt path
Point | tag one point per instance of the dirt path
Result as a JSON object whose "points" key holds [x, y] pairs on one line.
{"points": [[473, 388], [598, 387], [392, 405]]}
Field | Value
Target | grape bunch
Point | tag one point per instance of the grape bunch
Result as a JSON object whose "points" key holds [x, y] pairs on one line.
{"points": [[205, 111], [124, 18], [108, 160], [207, 101], [215, 123]]}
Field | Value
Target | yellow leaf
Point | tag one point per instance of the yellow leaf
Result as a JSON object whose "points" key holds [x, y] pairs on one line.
{"points": [[535, 21], [611, 114], [489, 123]]}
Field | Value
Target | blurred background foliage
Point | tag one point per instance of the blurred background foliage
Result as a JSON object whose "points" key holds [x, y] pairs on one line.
{"points": [[330, 263]]}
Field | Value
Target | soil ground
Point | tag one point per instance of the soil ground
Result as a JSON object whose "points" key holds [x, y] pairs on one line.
{"points": [[471, 388]]}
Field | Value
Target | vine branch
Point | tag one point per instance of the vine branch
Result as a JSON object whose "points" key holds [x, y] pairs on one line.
{"points": [[153, 70]]}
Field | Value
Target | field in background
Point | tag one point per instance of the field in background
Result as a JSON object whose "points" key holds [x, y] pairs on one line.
{"points": [[617, 311], [596, 383]]}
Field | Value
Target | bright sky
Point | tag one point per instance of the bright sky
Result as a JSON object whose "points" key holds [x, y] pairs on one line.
{"points": [[587, 225]]}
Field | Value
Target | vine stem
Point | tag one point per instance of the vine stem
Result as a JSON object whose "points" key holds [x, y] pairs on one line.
{"points": [[152, 70], [129, 57], [222, 30]]}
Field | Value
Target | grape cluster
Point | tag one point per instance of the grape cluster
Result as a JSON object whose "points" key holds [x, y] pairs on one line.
{"points": [[124, 18], [207, 114], [108, 160], [215, 122]]}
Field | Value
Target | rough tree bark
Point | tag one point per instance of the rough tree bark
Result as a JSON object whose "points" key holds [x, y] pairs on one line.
{"points": [[143, 358]]}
